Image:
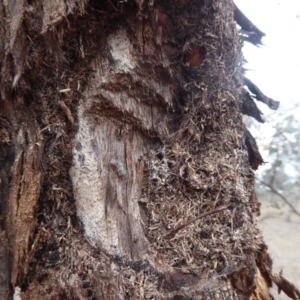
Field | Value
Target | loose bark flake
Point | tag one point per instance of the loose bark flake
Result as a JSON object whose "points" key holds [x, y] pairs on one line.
{"points": [[255, 158], [250, 32], [259, 95], [287, 287], [250, 109]]}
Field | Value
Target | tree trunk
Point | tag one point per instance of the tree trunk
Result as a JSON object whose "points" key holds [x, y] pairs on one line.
{"points": [[124, 168]]}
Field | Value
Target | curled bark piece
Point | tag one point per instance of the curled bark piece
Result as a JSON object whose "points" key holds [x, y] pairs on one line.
{"points": [[284, 285], [251, 32], [249, 108], [259, 95], [255, 158], [251, 37]]}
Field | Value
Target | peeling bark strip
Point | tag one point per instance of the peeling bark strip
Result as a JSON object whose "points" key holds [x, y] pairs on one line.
{"points": [[255, 158], [251, 33], [288, 288], [250, 109], [120, 125], [21, 153], [259, 95]]}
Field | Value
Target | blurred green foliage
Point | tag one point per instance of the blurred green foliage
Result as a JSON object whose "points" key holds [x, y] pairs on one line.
{"points": [[280, 147]]}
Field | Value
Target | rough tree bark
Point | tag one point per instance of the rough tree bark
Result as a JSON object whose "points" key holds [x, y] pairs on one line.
{"points": [[124, 168]]}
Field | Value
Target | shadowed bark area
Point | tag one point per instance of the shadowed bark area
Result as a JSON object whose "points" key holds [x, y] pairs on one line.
{"points": [[124, 168]]}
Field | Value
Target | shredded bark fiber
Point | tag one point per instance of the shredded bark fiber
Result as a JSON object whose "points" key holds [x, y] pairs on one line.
{"points": [[181, 102]]}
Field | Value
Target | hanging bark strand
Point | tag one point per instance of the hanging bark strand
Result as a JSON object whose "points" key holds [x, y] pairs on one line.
{"points": [[260, 96], [250, 109], [251, 33], [255, 158]]}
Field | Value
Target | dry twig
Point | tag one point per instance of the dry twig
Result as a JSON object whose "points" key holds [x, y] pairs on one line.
{"points": [[213, 211]]}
